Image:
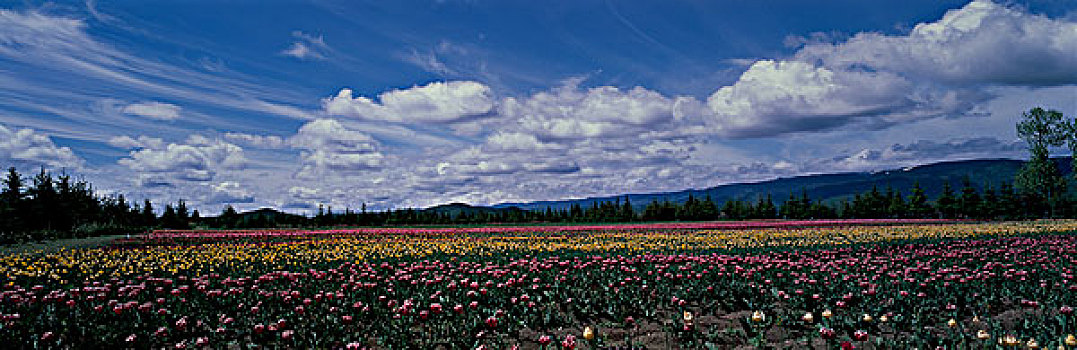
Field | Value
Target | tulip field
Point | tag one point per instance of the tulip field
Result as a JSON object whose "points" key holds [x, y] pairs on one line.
{"points": [[875, 284]]}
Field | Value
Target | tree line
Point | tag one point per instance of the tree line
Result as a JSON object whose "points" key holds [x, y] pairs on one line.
{"points": [[50, 207]]}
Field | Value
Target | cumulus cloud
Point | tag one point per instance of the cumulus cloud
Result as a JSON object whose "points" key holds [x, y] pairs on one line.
{"points": [[228, 192], [872, 80], [980, 43], [777, 97], [198, 159], [329, 146], [153, 110], [437, 102], [307, 47], [517, 141], [257, 141], [30, 148], [568, 112]]}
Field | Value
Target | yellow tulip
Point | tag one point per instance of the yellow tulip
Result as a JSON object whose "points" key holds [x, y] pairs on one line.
{"points": [[588, 333]]}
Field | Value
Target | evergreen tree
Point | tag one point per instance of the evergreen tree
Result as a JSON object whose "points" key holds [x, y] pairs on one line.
{"points": [[918, 206], [765, 208], [1009, 202], [897, 207], [791, 208], [627, 212], [11, 203], [990, 203], [947, 203], [969, 202], [149, 218], [183, 216]]}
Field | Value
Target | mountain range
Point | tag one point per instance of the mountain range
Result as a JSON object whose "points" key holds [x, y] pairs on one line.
{"points": [[828, 187]]}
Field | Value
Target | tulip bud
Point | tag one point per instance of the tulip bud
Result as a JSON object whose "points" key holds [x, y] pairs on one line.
{"points": [[952, 323], [1071, 340], [983, 335], [867, 318], [758, 316], [808, 318], [1032, 344], [827, 314], [588, 333], [1010, 340]]}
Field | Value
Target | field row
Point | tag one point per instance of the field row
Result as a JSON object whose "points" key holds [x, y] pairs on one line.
{"points": [[957, 285]]}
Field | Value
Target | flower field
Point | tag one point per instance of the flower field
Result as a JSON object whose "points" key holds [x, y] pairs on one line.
{"points": [[835, 284]]}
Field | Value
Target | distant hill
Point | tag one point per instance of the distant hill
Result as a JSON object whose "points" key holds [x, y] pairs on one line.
{"points": [[829, 187], [268, 214], [455, 209]]}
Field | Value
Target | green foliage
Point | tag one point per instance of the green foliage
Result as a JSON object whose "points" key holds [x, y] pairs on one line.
{"points": [[1039, 178], [59, 207]]}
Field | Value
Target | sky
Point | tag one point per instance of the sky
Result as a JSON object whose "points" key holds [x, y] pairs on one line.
{"points": [[292, 104]]}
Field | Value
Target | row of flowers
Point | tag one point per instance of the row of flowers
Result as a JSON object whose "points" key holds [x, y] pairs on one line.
{"points": [[923, 286]]}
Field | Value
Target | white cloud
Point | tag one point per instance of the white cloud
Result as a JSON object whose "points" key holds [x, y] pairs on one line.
{"points": [[571, 113], [198, 159], [517, 141], [153, 110], [775, 97], [228, 192], [128, 142], [307, 47], [29, 148], [939, 69], [437, 102], [329, 146], [257, 141], [980, 43]]}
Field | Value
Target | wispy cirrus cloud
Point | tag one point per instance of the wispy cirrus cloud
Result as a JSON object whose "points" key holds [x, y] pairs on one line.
{"points": [[307, 47]]}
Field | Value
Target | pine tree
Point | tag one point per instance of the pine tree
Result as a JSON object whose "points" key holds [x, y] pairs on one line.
{"points": [[897, 207], [947, 203], [918, 206], [183, 217], [990, 204], [710, 209], [168, 218], [149, 218], [627, 212], [969, 202], [11, 203]]}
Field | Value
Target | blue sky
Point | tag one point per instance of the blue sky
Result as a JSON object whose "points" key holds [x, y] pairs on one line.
{"points": [[413, 103]]}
